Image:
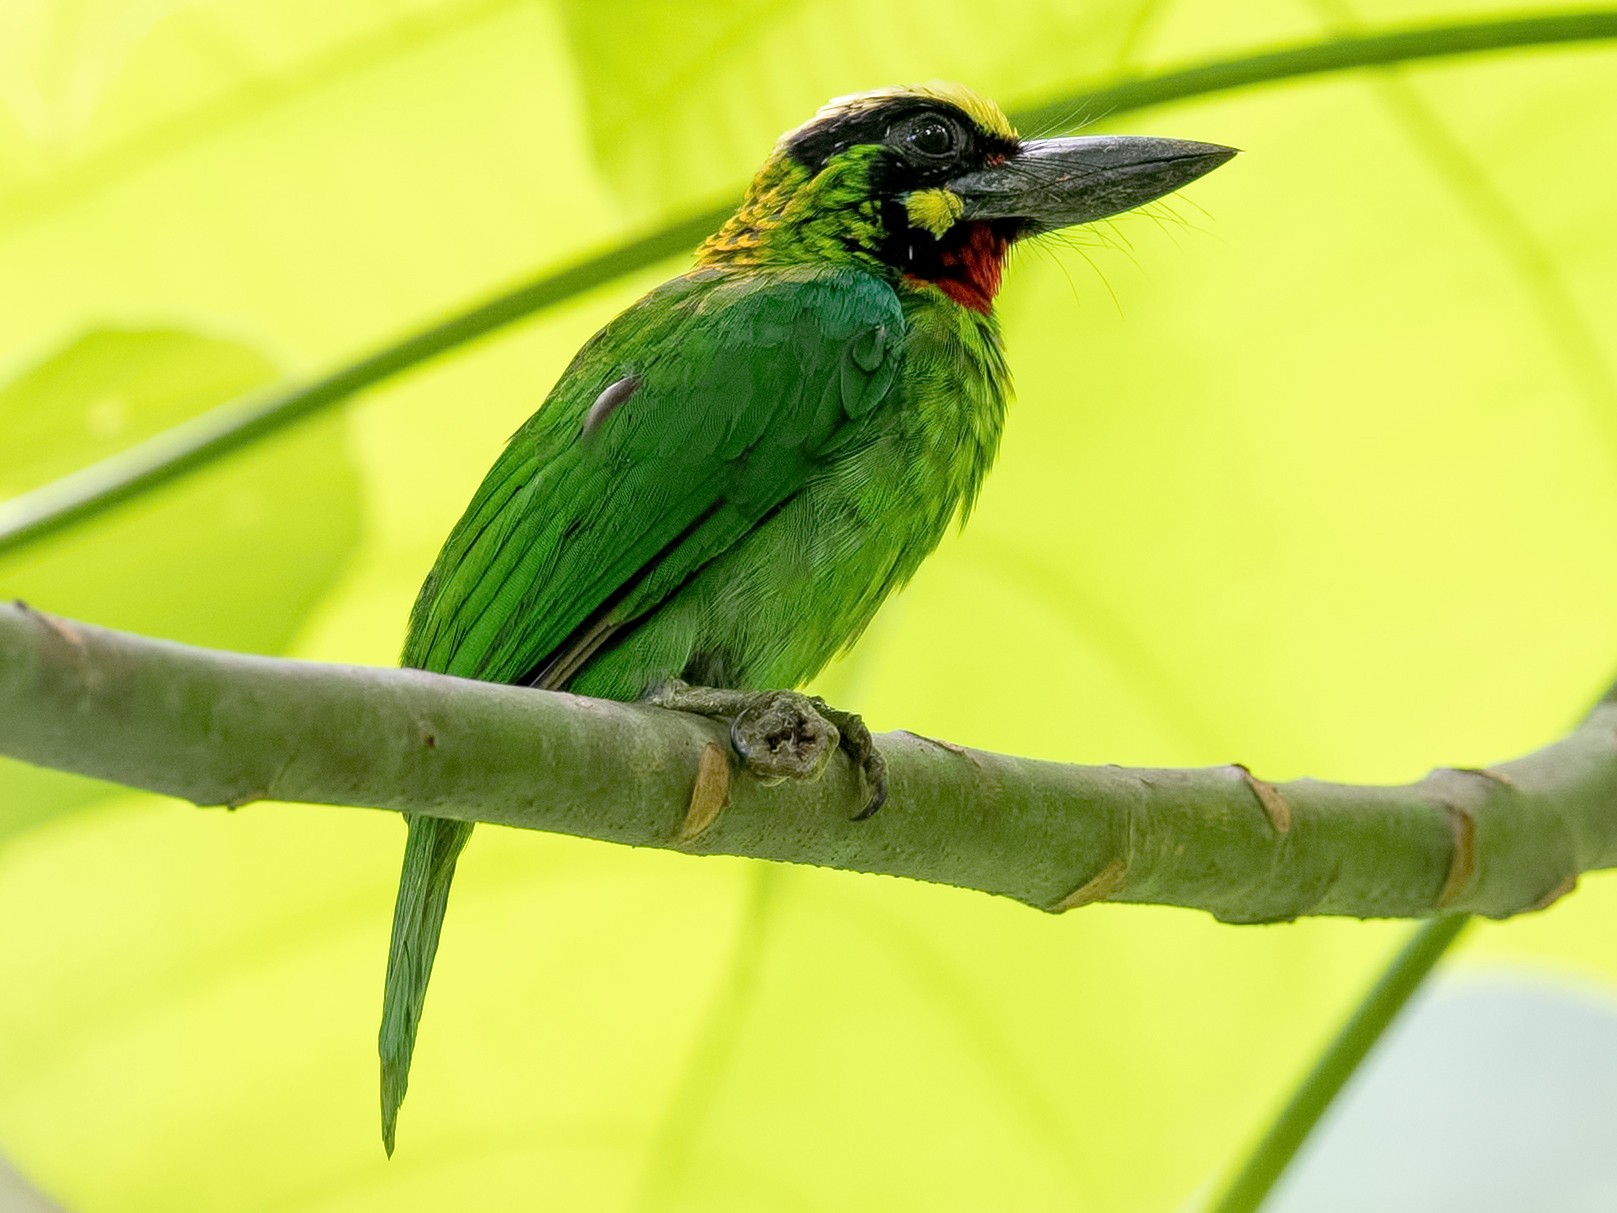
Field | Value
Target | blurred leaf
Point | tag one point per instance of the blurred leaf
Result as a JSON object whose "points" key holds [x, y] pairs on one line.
{"points": [[1303, 478], [685, 95], [234, 556], [56, 60], [108, 390]]}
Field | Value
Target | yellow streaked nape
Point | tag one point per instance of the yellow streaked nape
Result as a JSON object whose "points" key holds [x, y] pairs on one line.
{"points": [[934, 210]]}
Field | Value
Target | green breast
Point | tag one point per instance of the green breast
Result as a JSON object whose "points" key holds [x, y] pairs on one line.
{"points": [[956, 386], [802, 586]]}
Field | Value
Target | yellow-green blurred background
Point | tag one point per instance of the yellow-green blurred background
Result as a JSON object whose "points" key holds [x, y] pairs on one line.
{"points": [[1314, 467]]}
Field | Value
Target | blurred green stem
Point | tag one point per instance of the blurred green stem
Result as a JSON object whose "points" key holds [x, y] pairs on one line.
{"points": [[215, 434], [1252, 1184], [1333, 55], [219, 431]]}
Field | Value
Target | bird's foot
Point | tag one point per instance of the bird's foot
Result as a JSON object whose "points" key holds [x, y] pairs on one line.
{"points": [[783, 734]]}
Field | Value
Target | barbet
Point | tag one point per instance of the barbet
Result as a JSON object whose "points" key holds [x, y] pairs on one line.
{"points": [[732, 475]]}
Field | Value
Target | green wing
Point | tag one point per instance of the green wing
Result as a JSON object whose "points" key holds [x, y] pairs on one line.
{"points": [[745, 384]]}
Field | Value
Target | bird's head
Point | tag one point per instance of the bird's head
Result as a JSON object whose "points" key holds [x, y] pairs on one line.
{"points": [[933, 184]]}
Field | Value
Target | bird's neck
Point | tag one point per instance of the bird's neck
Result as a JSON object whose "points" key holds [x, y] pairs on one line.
{"points": [[788, 218], [831, 220], [967, 265], [956, 389]]}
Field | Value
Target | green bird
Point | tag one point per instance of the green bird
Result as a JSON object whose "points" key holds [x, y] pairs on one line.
{"points": [[732, 475]]}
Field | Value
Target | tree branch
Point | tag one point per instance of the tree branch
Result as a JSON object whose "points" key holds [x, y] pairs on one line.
{"points": [[222, 728]]}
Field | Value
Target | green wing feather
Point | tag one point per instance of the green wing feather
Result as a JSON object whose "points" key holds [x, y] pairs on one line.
{"points": [[747, 383]]}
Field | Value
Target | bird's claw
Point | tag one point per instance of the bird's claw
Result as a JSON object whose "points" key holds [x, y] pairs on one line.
{"points": [[861, 747], [783, 734], [780, 735]]}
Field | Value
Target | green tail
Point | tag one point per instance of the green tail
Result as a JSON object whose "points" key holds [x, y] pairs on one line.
{"points": [[430, 852]]}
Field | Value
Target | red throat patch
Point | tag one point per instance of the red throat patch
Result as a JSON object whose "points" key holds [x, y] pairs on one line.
{"points": [[970, 272]]}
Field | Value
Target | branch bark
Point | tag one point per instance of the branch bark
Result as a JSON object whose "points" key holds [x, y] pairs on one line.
{"points": [[225, 729]]}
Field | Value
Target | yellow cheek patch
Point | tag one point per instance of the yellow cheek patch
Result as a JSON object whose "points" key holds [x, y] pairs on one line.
{"points": [[935, 210]]}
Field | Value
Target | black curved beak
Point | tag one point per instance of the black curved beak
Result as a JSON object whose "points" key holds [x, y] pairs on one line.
{"points": [[1055, 183]]}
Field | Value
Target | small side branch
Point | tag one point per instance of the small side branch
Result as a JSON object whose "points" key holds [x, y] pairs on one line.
{"points": [[225, 729]]}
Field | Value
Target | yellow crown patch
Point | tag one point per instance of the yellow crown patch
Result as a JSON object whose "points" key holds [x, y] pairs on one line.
{"points": [[985, 113]]}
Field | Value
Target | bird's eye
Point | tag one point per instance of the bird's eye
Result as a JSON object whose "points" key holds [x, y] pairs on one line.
{"points": [[929, 138]]}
